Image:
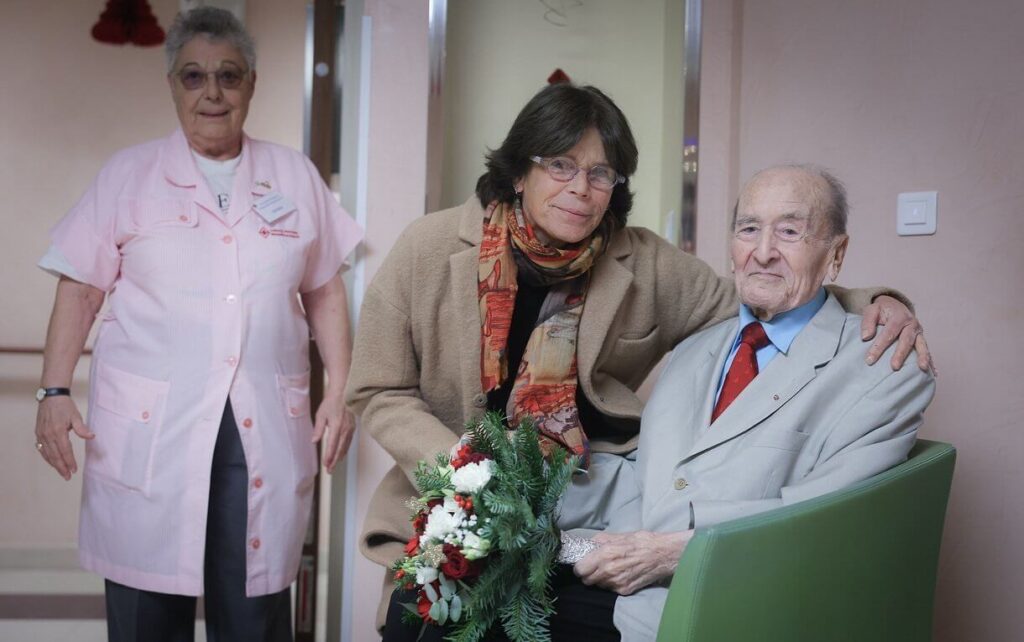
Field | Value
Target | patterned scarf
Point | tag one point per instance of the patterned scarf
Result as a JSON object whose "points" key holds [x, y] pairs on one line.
{"points": [[545, 386]]}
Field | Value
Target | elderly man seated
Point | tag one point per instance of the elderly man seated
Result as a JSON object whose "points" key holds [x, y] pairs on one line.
{"points": [[773, 407]]}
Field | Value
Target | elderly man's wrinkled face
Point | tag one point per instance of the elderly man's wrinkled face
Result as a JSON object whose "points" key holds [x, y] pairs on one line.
{"points": [[565, 212], [782, 247], [213, 113]]}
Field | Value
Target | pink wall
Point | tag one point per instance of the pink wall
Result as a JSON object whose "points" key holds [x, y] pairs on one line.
{"points": [[906, 96], [396, 195]]}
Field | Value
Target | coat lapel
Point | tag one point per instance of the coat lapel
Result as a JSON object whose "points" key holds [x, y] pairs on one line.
{"points": [[608, 287], [784, 376], [241, 188], [464, 270]]}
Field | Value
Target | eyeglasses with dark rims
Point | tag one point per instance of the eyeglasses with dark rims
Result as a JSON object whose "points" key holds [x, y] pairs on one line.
{"points": [[228, 77]]}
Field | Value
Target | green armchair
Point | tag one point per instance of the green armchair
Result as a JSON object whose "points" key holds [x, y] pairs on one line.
{"points": [[855, 565]]}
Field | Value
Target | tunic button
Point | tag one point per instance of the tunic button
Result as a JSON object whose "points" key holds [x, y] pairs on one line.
{"points": [[231, 361], [227, 239], [256, 542], [480, 400], [231, 298], [775, 397], [681, 483], [247, 423], [145, 415], [183, 218], [258, 483], [294, 411]]}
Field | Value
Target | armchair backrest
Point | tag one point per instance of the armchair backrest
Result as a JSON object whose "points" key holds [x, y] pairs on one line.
{"points": [[854, 565]]}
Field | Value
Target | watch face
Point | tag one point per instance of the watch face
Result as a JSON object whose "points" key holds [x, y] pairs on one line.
{"points": [[40, 394]]}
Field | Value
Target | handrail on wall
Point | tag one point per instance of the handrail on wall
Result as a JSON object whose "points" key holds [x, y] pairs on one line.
{"points": [[23, 350]]}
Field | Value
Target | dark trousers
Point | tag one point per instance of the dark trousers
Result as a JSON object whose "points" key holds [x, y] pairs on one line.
{"points": [[134, 615], [581, 613]]}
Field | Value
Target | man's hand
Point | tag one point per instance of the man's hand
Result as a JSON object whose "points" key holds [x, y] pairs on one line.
{"points": [[627, 562], [334, 420], [55, 419], [897, 322]]}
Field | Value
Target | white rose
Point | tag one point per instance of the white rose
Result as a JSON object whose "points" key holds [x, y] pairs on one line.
{"points": [[472, 477]]}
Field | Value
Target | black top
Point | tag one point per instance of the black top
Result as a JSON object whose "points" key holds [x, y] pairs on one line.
{"points": [[529, 300]]}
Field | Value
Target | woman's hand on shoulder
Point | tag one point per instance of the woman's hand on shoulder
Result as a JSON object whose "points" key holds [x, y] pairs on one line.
{"points": [[627, 562], [898, 323]]}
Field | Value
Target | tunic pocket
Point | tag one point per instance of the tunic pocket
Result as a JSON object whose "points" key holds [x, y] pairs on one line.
{"points": [[295, 396], [126, 415]]}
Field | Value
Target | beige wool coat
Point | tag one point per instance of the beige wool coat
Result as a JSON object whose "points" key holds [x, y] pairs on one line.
{"points": [[415, 377]]}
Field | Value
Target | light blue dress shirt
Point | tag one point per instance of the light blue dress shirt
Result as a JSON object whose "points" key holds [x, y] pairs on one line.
{"points": [[781, 331]]}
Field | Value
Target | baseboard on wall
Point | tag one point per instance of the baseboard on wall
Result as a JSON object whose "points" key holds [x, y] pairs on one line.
{"points": [[49, 559]]}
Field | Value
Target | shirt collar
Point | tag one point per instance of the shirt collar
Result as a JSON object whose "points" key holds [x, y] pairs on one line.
{"points": [[783, 328]]}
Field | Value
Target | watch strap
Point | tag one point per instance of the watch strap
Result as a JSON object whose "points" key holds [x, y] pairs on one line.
{"points": [[53, 392]]}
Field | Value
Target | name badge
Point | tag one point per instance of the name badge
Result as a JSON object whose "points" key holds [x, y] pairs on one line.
{"points": [[273, 206]]}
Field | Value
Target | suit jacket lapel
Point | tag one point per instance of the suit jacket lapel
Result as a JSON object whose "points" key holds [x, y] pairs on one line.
{"points": [[784, 376]]}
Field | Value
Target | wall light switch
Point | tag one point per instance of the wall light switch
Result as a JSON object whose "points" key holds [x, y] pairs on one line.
{"points": [[915, 213]]}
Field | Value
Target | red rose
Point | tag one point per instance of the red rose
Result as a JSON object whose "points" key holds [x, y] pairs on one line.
{"points": [[412, 545], [456, 566], [423, 608]]}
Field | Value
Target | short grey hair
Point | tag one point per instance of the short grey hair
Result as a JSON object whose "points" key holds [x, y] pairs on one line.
{"points": [[837, 206], [213, 23]]}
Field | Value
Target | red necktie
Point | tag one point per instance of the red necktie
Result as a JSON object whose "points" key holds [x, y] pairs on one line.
{"points": [[743, 368]]}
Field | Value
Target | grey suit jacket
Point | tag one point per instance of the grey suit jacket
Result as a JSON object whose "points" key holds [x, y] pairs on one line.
{"points": [[815, 420]]}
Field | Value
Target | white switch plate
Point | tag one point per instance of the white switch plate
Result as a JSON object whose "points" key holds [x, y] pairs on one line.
{"points": [[915, 213]]}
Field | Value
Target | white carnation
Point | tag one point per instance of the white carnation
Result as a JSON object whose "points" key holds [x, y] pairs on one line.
{"points": [[442, 522], [473, 476]]}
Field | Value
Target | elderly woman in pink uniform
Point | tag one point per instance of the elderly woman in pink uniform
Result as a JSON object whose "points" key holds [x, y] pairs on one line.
{"points": [[217, 254]]}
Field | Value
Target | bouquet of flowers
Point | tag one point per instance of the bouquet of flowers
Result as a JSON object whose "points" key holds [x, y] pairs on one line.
{"points": [[486, 540]]}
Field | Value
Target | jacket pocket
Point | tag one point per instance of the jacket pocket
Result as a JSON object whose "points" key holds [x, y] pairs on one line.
{"points": [[127, 414], [294, 390], [632, 355], [781, 439], [149, 213]]}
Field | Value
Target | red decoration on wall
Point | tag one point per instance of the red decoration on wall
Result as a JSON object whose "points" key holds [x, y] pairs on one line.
{"points": [[126, 21], [558, 76]]}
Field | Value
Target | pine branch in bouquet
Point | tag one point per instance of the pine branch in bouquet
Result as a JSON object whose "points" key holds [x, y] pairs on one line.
{"points": [[485, 538]]}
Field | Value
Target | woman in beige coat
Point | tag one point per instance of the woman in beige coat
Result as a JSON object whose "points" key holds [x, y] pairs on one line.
{"points": [[534, 298]]}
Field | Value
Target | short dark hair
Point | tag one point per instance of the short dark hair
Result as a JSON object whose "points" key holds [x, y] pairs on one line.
{"points": [[554, 120], [837, 205]]}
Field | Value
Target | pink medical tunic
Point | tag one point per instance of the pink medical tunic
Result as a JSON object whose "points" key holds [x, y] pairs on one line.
{"points": [[202, 306]]}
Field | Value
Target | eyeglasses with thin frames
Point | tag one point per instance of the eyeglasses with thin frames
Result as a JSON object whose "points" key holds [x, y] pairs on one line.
{"points": [[564, 169], [193, 78]]}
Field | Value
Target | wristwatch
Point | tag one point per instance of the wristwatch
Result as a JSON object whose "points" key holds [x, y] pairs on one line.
{"points": [[43, 393]]}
